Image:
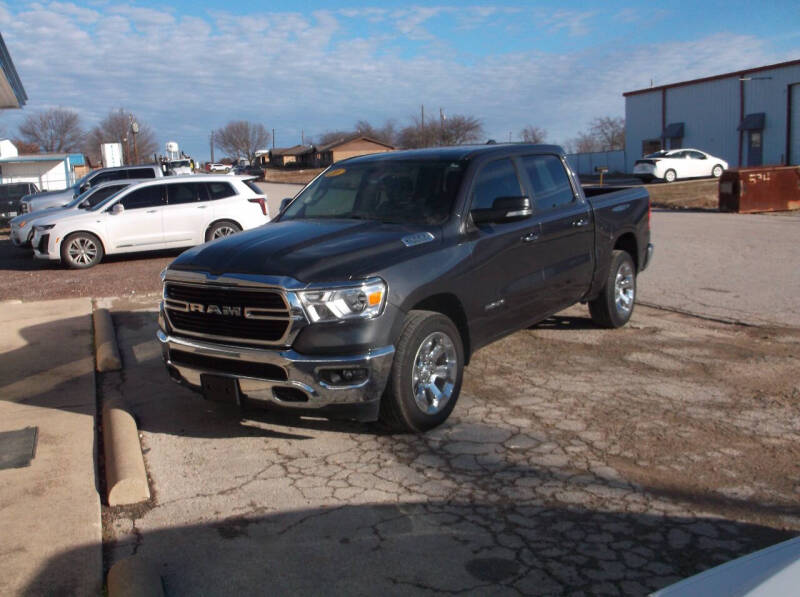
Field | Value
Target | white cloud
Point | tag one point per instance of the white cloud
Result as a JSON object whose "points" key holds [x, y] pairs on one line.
{"points": [[185, 75]]}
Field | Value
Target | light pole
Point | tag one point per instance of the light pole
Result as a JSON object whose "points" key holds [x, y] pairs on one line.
{"points": [[135, 131]]}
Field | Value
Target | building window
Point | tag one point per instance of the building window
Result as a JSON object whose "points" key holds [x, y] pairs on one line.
{"points": [[651, 146]]}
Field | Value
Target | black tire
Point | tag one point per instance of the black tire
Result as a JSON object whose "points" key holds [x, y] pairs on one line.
{"points": [[670, 175], [716, 171], [610, 310], [81, 250], [423, 332], [221, 229]]}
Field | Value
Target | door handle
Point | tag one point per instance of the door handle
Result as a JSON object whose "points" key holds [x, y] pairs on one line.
{"points": [[202, 206], [580, 223], [530, 237], [152, 211]]}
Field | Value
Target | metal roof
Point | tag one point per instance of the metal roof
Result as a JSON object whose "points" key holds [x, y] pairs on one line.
{"points": [[12, 93], [738, 73], [42, 157]]}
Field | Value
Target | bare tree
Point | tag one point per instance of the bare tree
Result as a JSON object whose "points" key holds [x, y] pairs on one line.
{"points": [[386, 134], [331, 136], [24, 147], [241, 139], [533, 134], [117, 127], [609, 132], [54, 130], [454, 130]]}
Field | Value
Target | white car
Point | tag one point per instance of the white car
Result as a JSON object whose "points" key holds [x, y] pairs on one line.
{"points": [[670, 165], [171, 212], [216, 167], [22, 226]]}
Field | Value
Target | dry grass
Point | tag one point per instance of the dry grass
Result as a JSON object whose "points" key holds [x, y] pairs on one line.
{"points": [[302, 176]]}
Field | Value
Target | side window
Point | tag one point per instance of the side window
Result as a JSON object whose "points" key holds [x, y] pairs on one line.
{"points": [[220, 190], [100, 194], [186, 192], [551, 187], [145, 197], [141, 173], [496, 179]]}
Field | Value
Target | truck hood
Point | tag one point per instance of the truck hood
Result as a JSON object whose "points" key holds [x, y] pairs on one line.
{"points": [[311, 250], [68, 192]]}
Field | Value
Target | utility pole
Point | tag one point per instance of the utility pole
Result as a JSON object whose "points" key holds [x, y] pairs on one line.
{"points": [[302, 137], [134, 131], [441, 125], [273, 138], [211, 145]]}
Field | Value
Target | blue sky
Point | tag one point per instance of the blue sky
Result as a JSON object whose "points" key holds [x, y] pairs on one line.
{"points": [[186, 67]]}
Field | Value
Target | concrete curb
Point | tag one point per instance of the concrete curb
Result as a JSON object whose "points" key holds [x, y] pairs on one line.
{"points": [[126, 479], [105, 342], [134, 577]]}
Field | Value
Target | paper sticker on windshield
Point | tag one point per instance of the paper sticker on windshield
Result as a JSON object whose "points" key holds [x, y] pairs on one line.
{"points": [[337, 172]]}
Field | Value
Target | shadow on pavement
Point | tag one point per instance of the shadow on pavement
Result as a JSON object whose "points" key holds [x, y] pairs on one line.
{"points": [[419, 548]]}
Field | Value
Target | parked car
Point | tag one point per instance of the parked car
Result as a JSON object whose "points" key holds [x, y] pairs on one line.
{"points": [[35, 202], [178, 211], [11, 194], [670, 165], [216, 167], [22, 225], [256, 171], [371, 289]]}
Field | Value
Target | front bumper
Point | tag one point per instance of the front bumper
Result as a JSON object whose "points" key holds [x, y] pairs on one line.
{"points": [[21, 237], [291, 381]]}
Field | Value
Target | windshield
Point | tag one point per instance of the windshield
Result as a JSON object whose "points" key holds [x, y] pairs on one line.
{"points": [[403, 192], [79, 198], [103, 202]]}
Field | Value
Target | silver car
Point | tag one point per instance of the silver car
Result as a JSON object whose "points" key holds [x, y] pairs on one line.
{"points": [[35, 202], [22, 226]]}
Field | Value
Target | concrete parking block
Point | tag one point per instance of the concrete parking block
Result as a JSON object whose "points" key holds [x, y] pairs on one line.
{"points": [[105, 342], [126, 479]]}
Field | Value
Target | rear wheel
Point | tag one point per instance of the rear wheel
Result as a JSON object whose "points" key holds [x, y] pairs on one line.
{"points": [[223, 228], [426, 374], [81, 250], [670, 176], [716, 171], [614, 305]]}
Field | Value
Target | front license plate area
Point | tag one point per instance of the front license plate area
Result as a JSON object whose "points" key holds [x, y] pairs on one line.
{"points": [[220, 389]]}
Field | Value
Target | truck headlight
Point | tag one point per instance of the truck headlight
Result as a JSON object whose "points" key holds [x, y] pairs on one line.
{"points": [[364, 301]]}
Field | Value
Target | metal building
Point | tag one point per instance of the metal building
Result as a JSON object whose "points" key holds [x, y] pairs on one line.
{"points": [[748, 117]]}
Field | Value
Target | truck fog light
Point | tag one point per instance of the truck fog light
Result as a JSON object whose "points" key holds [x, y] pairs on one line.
{"points": [[344, 376]]}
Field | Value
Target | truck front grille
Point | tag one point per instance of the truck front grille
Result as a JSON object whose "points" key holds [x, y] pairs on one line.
{"points": [[237, 315]]}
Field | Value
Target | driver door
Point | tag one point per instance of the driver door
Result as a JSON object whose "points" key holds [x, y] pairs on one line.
{"points": [[140, 226]]}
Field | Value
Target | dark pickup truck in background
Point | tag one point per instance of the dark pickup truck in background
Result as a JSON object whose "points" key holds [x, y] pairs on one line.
{"points": [[11, 194], [367, 295]]}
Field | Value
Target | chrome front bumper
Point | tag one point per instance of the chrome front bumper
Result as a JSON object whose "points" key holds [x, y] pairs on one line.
{"points": [[303, 374]]}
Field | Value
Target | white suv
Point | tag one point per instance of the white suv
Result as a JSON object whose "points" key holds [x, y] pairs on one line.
{"points": [[179, 211]]}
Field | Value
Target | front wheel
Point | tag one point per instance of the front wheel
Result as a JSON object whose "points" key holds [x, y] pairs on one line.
{"points": [[426, 374], [716, 171], [81, 250], [223, 228], [614, 305], [670, 176]]}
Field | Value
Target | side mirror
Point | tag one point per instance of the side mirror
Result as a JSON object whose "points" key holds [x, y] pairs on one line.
{"points": [[284, 203], [117, 209], [504, 209]]}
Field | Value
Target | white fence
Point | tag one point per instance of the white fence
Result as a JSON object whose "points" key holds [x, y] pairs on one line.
{"points": [[585, 163]]}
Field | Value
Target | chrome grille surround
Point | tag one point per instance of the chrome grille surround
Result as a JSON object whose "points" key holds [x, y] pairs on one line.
{"points": [[290, 312]]}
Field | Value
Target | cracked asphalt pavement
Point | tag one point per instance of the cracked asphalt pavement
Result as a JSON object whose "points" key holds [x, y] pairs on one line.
{"points": [[578, 460]]}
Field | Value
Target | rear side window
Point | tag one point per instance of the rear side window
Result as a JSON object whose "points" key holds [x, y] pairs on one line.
{"points": [[496, 179], [141, 173], [101, 194], [186, 192], [253, 187], [220, 190], [551, 187], [107, 176], [146, 197]]}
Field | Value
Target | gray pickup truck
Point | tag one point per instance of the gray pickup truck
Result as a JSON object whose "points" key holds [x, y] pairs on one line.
{"points": [[46, 200], [368, 293]]}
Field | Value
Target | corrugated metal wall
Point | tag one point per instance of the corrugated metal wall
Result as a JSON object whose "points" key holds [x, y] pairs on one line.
{"points": [[584, 163], [710, 112]]}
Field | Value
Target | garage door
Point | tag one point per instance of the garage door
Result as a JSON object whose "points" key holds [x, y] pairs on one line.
{"points": [[794, 126]]}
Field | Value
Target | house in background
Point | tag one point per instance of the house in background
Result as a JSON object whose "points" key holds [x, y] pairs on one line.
{"points": [[341, 149], [748, 117], [49, 171], [291, 156]]}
